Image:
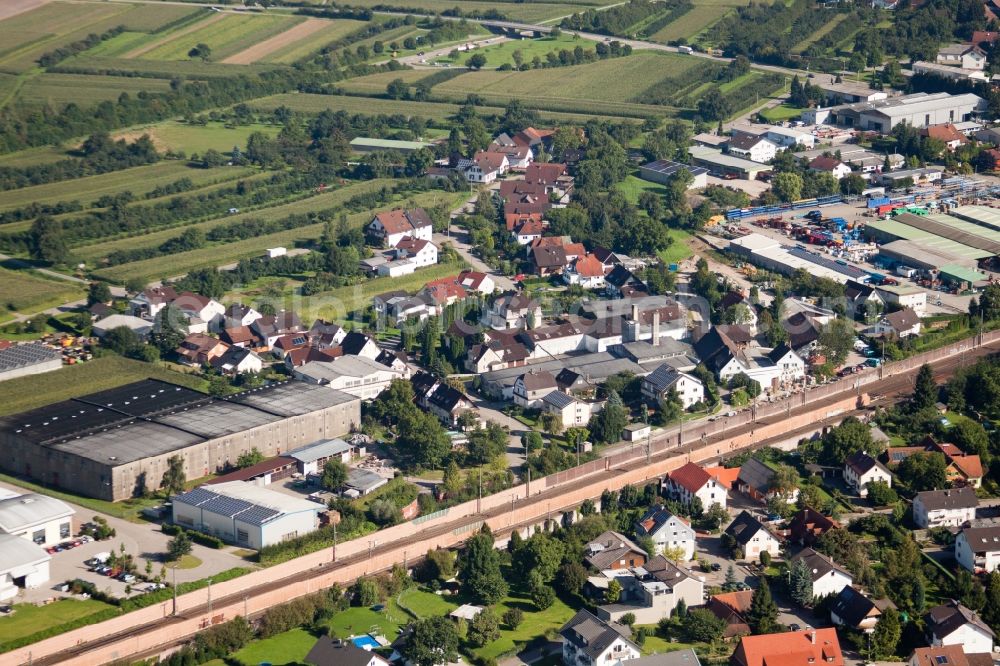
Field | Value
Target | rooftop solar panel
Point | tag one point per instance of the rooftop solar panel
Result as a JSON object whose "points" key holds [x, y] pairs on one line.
{"points": [[197, 496], [226, 506], [257, 515]]}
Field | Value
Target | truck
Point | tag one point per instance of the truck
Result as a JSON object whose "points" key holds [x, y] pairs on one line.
{"points": [[685, 49]]}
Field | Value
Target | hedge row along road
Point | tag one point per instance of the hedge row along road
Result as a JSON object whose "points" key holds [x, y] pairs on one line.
{"points": [[155, 630]]}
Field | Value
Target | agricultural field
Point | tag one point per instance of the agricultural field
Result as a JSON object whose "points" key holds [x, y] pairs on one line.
{"points": [[528, 12], [138, 180], [503, 53], [26, 292], [320, 33], [61, 89], [834, 21], [177, 136], [226, 34], [697, 20], [162, 69]]}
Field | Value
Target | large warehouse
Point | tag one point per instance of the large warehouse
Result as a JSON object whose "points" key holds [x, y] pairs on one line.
{"points": [[115, 444]]}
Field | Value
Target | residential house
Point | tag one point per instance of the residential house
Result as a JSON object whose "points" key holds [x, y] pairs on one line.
{"points": [[978, 548], [901, 323], [790, 137], [240, 336], [201, 311], [534, 138], [791, 648], [790, 366], [484, 167], [753, 148], [148, 303], [570, 411], [668, 531], [807, 525], [753, 537], [945, 508], [336, 652], [271, 327], [860, 469], [965, 469], [356, 343], [756, 480], [588, 641], [830, 165], [723, 351], [528, 230], [448, 404], [622, 283], [586, 271], [657, 385], [827, 576], [949, 655], [691, 481], [476, 282], [946, 133], [497, 354], [518, 157], [531, 387], [418, 251], [613, 551], [198, 349], [862, 297], [904, 296], [389, 227], [853, 610], [965, 56], [513, 310], [238, 361], [651, 592], [237, 315], [954, 624], [732, 608], [556, 182], [549, 259], [324, 335]]}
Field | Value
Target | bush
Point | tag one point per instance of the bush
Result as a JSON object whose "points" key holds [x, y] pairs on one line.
{"points": [[206, 540]]}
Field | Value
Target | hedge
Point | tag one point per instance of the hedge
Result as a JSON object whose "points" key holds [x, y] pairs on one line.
{"points": [[198, 537]]}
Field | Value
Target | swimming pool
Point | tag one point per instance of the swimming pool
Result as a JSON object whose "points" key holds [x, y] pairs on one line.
{"points": [[365, 642]]}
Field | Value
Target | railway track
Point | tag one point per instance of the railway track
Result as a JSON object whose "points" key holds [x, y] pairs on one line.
{"points": [[892, 389]]}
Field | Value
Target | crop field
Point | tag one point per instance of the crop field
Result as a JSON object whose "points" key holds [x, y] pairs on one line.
{"points": [[139, 180], [177, 136], [59, 89], [834, 21], [226, 34], [28, 293], [594, 87], [304, 46], [220, 255], [92, 253], [119, 45], [163, 69], [503, 53], [32, 156], [375, 84], [529, 12]]}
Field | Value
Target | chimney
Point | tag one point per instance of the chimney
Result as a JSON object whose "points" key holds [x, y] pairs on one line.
{"points": [[656, 328], [812, 637], [635, 312]]}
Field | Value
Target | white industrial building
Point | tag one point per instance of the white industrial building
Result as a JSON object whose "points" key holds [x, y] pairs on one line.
{"points": [[245, 514], [22, 564], [917, 110], [28, 359], [356, 375], [313, 457], [38, 518]]}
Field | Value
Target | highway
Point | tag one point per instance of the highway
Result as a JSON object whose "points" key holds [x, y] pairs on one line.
{"points": [[538, 507]]}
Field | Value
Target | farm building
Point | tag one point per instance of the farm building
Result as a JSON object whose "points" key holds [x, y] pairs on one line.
{"points": [[245, 514], [661, 171], [115, 444], [29, 359], [43, 520]]}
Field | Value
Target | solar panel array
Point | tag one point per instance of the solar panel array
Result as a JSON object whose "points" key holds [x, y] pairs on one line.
{"points": [[20, 356], [231, 507], [668, 168]]}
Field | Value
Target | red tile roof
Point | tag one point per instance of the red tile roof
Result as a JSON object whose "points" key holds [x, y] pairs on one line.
{"points": [[725, 475], [691, 477], [793, 648], [823, 163], [394, 221], [589, 266], [970, 467], [544, 173], [945, 132]]}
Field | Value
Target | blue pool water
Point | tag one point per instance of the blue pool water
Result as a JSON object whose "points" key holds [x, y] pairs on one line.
{"points": [[364, 642]]}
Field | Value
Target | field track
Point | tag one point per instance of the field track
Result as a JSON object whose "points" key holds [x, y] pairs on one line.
{"points": [[171, 36], [268, 46], [9, 8]]}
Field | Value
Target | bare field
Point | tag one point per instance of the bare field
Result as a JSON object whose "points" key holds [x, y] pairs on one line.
{"points": [[265, 48], [12, 7]]}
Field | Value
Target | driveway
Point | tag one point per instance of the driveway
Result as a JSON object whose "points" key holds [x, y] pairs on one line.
{"points": [[490, 411]]}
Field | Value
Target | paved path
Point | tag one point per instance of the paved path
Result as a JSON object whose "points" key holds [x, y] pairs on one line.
{"points": [[459, 239]]}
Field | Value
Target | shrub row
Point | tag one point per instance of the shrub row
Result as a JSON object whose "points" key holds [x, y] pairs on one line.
{"points": [[206, 540]]}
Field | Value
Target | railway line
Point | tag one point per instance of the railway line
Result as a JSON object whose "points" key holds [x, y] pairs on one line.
{"points": [[520, 513]]}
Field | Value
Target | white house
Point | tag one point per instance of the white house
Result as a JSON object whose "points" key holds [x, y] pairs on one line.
{"points": [[570, 411], [421, 252], [945, 508], [978, 548], [245, 514], [485, 167], [201, 308], [901, 323], [513, 310], [148, 303], [860, 469], [587, 271], [954, 624], [753, 537], [590, 641], [753, 148], [965, 56], [690, 481], [656, 386], [789, 137], [389, 227], [238, 361], [791, 367], [827, 576], [904, 296], [38, 518], [531, 387], [652, 591], [475, 281], [830, 165], [22, 564], [667, 531]]}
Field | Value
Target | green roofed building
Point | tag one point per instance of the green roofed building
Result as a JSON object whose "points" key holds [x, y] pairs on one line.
{"points": [[953, 274], [364, 144]]}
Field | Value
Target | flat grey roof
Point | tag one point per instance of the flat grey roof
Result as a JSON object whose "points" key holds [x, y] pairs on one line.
{"points": [[16, 552], [318, 450], [598, 366], [119, 445], [218, 419], [669, 168], [292, 398]]}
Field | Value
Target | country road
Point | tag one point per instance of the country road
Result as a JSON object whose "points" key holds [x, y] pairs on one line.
{"points": [[135, 637]]}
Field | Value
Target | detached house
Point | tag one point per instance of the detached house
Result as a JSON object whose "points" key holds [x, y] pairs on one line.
{"points": [[570, 411], [667, 531], [586, 271], [901, 323], [388, 228], [613, 551], [485, 167], [810, 647], [946, 133], [965, 56], [945, 508], [148, 303], [753, 537], [860, 469], [656, 386], [691, 481], [590, 641], [651, 592], [513, 310], [531, 387], [202, 312], [418, 251], [830, 165], [827, 576], [732, 607], [753, 148], [954, 624], [978, 549], [756, 480], [198, 349], [853, 610], [807, 525]]}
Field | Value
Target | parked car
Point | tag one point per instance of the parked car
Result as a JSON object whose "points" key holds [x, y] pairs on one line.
{"points": [[716, 566]]}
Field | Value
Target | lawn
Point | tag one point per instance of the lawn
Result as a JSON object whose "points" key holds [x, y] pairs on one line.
{"points": [[178, 136], [536, 623], [633, 186], [26, 292], [29, 619], [85, 89], [782, 112], [355, 621], [290, 647], [425, 604], [679, 250], [137, 180], [23, 393], [503, 53], [225, 36]]}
